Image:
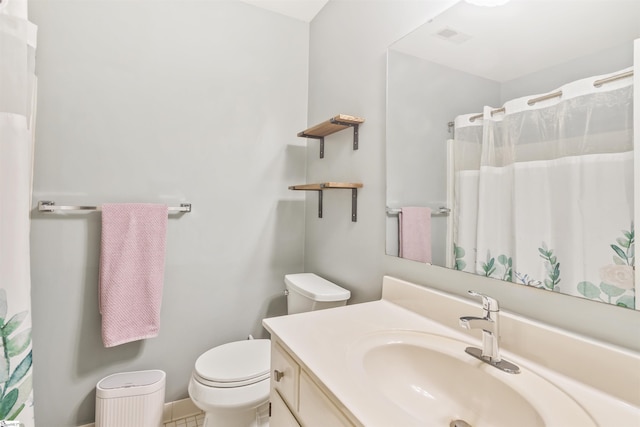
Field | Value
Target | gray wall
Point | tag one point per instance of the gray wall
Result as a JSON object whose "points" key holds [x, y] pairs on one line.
{"points": [[171, 101], [422, 97], [352, 80], [200, 102]]}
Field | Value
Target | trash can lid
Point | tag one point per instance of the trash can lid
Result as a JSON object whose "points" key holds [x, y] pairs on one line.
{"points": [[131, 383], [131, 379]]}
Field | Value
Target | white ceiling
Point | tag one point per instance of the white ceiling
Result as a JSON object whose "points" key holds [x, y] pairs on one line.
{"points": [[528, 35], [304, 10]]}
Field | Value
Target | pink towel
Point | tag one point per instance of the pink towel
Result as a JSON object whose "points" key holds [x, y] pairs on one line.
{"points": [[131, 271], [415, 234]]}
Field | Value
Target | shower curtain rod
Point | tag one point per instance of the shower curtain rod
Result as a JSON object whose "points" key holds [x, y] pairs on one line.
{"points": [[479, 116], [600, 82], [48, 206], [557, 94]]}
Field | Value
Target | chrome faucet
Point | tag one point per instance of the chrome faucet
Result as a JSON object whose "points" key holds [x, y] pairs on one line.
{"points": [[490, 325]]}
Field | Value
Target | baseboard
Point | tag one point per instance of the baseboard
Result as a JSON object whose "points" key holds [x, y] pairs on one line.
{"points": [[173, 411]]}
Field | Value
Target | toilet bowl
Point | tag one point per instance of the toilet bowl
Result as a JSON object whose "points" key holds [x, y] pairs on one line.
{"points": [[230, 383]]}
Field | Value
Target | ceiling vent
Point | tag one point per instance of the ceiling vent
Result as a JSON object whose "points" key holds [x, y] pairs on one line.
{"points": [[454, 36]]}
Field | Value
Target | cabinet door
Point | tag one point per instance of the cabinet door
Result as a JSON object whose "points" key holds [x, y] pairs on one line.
{"points": [[284, 376], [316, 410], [280, 414]]}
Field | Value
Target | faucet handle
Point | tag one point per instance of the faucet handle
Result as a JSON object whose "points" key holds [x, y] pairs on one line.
{"points": [[488, 303]]}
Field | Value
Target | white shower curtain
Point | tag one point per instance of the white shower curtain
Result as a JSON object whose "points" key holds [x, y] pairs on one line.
{"points": [[544, 191], [17, 118]]}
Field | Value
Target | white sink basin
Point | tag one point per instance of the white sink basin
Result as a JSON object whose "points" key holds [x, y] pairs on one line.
{"points": [[432, 379]]}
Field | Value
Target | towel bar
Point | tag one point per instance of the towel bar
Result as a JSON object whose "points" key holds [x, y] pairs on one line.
{"points": [[440, 211], [48, 206]]}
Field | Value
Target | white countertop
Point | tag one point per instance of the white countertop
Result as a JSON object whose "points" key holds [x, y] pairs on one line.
{"points": [[321, 342]]}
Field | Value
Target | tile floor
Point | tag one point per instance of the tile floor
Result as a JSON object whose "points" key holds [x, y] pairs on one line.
{"points": [[192, 421]]}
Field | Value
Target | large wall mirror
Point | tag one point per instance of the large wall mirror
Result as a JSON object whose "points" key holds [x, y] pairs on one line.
{"points": [[510, 145]]}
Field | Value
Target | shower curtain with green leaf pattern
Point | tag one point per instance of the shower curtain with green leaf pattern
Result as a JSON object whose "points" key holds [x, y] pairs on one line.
{"points": [[17, 118], [543, 191]]}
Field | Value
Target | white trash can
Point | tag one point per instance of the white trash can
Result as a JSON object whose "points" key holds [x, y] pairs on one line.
{"points": [[131, 399]]}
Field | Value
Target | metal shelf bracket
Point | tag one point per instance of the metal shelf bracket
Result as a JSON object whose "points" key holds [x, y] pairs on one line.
{"points": [[355, 127], [321, 138], [354, 204]]}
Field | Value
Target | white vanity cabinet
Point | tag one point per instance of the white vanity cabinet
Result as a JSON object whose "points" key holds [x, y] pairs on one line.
{"points": [[280, 414], [296, 399]]}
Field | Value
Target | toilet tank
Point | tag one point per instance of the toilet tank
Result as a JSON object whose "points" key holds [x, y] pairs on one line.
{"points": [[309, 292]]}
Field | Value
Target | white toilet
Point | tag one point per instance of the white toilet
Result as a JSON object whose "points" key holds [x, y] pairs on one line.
{"points": [[230, 383]]}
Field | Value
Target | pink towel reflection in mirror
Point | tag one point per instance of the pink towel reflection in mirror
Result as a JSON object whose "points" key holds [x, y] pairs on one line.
{"points": [[415, 233]]}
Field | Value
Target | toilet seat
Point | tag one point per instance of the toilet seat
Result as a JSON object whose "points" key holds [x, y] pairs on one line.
{"points": [[234, 364]]}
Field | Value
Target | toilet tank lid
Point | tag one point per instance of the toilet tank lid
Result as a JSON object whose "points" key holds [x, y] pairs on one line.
{"points": [[315, 287]]}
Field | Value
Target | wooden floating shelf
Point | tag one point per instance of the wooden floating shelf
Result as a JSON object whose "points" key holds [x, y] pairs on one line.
{"points": [[333, 125], [325, 185], [320, 187]]}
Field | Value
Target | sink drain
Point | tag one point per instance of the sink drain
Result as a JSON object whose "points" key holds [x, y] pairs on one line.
{"points": [[459, 423]]}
